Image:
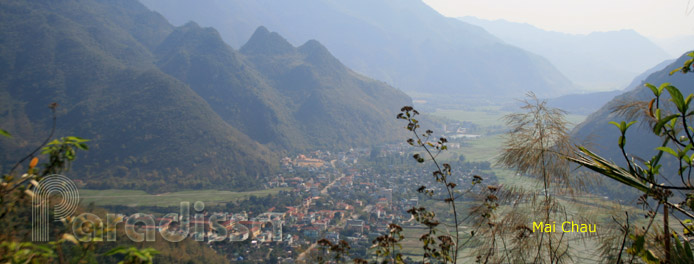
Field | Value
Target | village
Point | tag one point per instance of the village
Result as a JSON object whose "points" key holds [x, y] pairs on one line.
{"points": [[346, 196]]}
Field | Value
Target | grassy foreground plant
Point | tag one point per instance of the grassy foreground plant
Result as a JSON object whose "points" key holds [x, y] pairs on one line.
{"points": [[670, 120], [536, 145]]}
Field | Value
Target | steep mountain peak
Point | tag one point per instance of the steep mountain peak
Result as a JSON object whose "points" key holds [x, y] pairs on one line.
{"points": [[269, 43], [192, 36], [312, 46], [318, 55], [192, 29], [191, 24], [405, 43]]}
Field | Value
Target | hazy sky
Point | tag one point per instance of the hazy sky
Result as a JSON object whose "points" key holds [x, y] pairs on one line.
{"points": [[652, 18]]}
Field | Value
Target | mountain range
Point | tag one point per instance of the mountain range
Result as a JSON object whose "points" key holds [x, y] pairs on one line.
{"points": [[404, 43], [599, 61], [589, 102], [171, 107]]}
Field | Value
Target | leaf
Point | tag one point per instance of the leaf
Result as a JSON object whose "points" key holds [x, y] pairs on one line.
{"points": [[659, 125], [655, 91], [687, 65], [618, 125], [5, 133], [686, 149], [668, 150], [139, 255], [688, 250], [675, 70], [662, 87], [677, 97], [600, 165], [118, 250], [650, 108], [33, 163], [622, 126]]}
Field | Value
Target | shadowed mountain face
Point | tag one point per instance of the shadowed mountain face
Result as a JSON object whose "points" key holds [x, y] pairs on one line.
{"points": [[170, 107], [640, 141], [596, 61], [293, 98], [404, 43]]}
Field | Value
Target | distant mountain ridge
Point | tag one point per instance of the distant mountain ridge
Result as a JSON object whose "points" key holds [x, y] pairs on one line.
{"points": [[641, 142], [596, 61], [170, 108], [404, 43], [587, 103]]}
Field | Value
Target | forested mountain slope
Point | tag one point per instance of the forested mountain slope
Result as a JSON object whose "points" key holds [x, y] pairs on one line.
{"points": [[170, 107]]}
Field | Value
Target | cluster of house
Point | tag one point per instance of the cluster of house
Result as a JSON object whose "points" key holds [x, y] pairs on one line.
{"points": [[316, 160], [355, 203], [340, 202]]}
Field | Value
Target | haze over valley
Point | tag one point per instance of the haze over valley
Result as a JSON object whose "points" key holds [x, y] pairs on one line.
{"points": [[327, 131]]}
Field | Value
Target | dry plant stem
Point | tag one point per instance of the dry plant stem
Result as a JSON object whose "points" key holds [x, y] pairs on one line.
{"points": [[624, 239], [450, 195], [686, 129], [666, 231], [631, 169], [681, 223], [556, 250], [689, 177], [536, 146], [681, 175], [505, 249], [690, 215], [650, 223], [540, 129], [61, 257], [669, 186]]}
